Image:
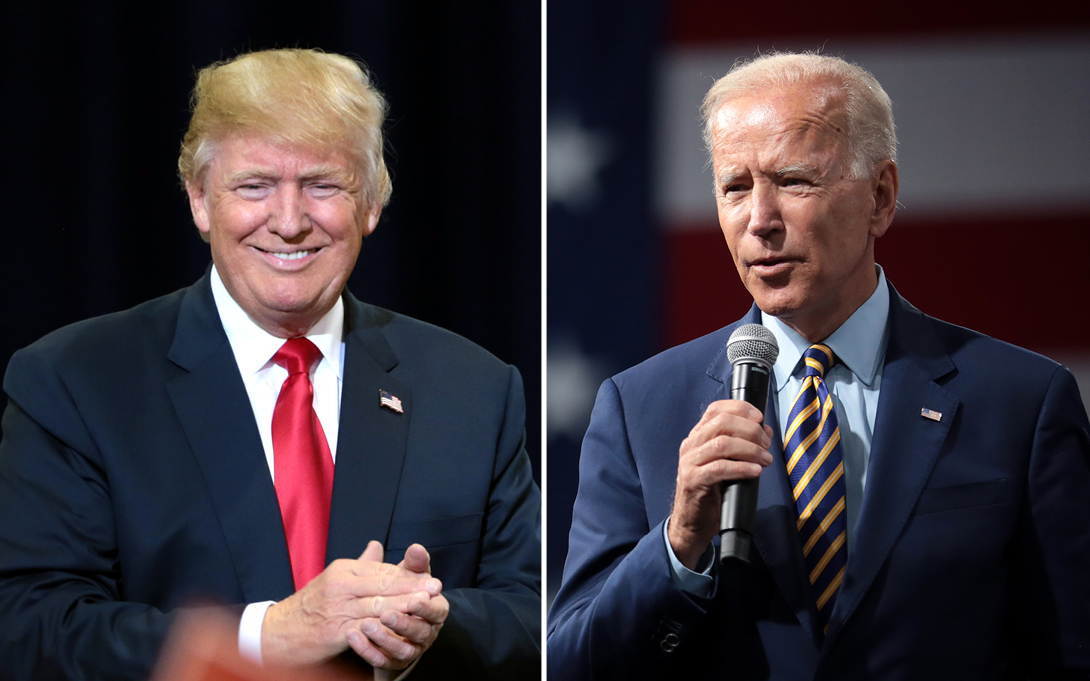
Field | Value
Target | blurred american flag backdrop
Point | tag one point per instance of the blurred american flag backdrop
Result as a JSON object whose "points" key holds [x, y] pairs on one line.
{"points": [[992, 107]]}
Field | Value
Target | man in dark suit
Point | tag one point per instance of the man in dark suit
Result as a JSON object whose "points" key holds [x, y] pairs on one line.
{"points": [[264, 439], [924, 504]]}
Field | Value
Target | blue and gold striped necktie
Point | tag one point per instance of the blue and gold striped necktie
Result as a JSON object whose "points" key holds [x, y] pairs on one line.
{"points": [[815, 466]]}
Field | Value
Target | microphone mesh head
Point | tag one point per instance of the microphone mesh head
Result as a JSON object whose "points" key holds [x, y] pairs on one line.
{"points": [[752, 342]]}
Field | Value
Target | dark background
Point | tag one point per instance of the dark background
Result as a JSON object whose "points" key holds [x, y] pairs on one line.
{"points": [[95, 103]]}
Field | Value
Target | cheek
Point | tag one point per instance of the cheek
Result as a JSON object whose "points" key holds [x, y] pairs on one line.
{"points": [[338, 222], [236, 222], [731, 225]]}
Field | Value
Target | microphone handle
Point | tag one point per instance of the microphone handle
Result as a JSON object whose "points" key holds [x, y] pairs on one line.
{"points": [[749, 383]]}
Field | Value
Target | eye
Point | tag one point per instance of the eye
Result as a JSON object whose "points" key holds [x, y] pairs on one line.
{"points": [[798, 183], [322, 190], [253, 191], [734, 188]]}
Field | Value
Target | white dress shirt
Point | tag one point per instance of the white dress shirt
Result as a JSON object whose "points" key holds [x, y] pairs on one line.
{"points": [[854, 383], [254, 349]]}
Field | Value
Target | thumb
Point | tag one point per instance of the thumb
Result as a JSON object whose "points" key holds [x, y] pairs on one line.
{"points": [[417, 559], [373, 552]]}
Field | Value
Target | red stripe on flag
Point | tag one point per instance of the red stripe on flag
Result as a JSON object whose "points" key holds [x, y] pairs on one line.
{"points": [[714, 21], [1023, 280]]}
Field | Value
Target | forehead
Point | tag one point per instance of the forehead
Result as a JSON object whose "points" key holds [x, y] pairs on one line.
{"points": [[253, 155], [778, 126]]}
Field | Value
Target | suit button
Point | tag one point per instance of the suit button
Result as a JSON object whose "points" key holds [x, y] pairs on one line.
{"points": [[669, 643]]}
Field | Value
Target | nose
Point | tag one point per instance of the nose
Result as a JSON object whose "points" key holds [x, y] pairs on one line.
{"points": [[287, 213], [764, 209]]}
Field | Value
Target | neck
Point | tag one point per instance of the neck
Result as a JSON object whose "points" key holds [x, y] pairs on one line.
{"points": [[818, 326]]}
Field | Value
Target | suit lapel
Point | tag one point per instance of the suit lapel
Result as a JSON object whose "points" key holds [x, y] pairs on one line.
{"points": [[215, 413], [774, 535], [372, 439], [904, 448]]}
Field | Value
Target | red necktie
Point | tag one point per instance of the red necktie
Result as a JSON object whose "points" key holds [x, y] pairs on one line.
{"points": [[302, 463]]}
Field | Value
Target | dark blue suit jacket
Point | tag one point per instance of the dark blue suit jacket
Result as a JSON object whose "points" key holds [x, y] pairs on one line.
{"points": [[970, 560], [133, 482]]}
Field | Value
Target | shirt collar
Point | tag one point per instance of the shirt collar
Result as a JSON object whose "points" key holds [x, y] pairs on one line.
{"points": [[254, 347], [859, 343]]}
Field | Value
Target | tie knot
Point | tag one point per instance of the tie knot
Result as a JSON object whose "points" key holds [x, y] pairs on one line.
{"points": [[819, 358], [297, 355]]}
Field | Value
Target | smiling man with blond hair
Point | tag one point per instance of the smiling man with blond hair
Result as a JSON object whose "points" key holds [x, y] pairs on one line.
{"points": [[262, 439]]}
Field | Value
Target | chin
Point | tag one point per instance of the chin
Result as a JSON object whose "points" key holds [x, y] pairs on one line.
{"points": [[778, 302]]}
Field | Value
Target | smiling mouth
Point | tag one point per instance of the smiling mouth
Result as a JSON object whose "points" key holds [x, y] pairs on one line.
{"points": [[295, 255]]}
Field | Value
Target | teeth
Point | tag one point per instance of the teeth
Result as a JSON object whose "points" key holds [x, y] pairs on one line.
{"points": [[293, 256]]}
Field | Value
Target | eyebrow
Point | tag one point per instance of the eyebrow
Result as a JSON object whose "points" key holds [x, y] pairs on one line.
{"points": [[317, 173], [249, 174], [798, 168], [727, 179]]}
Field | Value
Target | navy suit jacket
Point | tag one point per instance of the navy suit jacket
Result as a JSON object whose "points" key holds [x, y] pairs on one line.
{"points": [[133, 482], [970, 559]]}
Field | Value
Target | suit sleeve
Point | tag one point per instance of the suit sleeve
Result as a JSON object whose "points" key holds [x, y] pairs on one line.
{"points": [[1051, 588], [62, 609], [494, 629], [619, 613]]}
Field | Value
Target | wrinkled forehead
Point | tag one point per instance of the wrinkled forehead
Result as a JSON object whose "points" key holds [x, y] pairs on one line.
{"points": [[805, 118]]}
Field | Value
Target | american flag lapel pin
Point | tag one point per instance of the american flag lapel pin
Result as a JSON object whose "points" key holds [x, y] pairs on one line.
{"points": [[931, 414], [388, 400]]}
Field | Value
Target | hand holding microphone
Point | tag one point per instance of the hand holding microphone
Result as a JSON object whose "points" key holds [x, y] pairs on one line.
{"points": [[752, 350], [728, 443]]}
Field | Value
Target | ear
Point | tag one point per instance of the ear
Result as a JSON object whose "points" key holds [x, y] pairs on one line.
{"points": [[371, 219], [198, 207], [885, 198]]}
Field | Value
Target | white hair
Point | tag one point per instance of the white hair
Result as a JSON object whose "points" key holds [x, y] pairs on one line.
{"points": [[867, 109]]}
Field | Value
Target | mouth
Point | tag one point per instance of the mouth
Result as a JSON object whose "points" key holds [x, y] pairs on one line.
{"points": [[288, 256], [772, 265]]}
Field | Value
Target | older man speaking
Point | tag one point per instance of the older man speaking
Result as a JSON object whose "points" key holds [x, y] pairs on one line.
{"points": [[262, 438], [924, 503]]}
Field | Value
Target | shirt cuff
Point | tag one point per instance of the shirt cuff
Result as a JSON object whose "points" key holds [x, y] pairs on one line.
{"points": [[249, 630], [700, 584]]}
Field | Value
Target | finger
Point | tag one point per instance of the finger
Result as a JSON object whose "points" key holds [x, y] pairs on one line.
{"points": [[393, 585], [727, 447], [417, 562], [363, 647], [726, 425], [709, 476], [416, 559], [392, 646], [432, 610], [373, 552], [374, 606], [412, 629], [730, 424], [366, 579], [735, 407]]}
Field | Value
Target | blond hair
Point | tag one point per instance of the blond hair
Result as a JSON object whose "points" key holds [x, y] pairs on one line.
{"points": [[298, 97], [867, 109]]}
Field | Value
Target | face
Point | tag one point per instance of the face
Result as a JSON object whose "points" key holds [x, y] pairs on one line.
{"points": [[800, 229], [285, 225]]}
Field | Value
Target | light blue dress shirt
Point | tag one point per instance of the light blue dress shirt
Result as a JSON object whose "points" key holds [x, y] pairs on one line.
{"points": [[854, 382]]}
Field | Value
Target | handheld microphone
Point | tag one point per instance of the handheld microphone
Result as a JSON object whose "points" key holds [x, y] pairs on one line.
{"points": [[752, 350]]}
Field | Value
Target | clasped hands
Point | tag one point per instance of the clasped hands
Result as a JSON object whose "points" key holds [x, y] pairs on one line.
{"points": [[388, 614]]}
